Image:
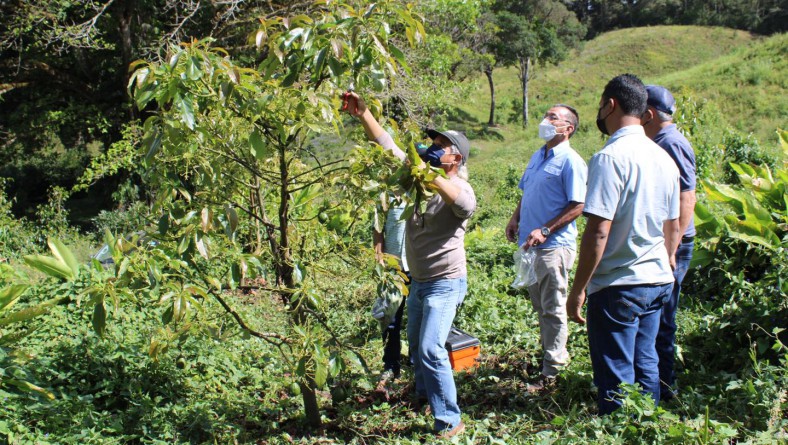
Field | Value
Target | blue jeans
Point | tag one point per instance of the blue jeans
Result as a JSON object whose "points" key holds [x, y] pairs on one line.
{"points": [[666, 338], [622, 328], [431, 309]]}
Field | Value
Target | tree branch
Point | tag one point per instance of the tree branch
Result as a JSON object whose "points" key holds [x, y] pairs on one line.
{"points": [[267, 336]]}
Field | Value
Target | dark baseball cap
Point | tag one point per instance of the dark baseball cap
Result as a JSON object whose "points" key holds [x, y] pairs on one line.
{"points": [[661, 99], [457, 139]]}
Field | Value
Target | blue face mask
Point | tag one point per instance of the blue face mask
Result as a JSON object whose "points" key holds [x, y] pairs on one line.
{"points": [[433, 155]]}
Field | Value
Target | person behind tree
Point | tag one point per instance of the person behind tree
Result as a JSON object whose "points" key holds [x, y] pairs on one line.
{"points": [[392, 242], [434, 242], [625, 260]]}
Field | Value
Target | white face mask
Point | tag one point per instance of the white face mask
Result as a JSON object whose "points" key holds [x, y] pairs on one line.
{"points": [[547, 130]]}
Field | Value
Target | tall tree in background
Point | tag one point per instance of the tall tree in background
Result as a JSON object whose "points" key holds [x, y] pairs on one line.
{"points": [[534, 32], [471, 25]]}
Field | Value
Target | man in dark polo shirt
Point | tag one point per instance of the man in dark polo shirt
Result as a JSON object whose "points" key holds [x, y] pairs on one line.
{"points": [[659, 126]]}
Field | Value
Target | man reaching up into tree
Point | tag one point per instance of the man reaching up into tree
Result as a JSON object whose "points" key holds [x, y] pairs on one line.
{"points": [[434, 244]]}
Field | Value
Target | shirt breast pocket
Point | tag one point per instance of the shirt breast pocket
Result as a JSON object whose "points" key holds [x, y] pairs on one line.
{"points": [[552, 171]]}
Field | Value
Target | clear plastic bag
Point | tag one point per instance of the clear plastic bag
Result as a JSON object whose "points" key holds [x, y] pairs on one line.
{"points": [[524, 268]]}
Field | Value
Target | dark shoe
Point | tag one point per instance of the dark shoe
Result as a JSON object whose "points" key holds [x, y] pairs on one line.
{"points": [[668, 394], [385, 380], [389, 375], [449, 433], [543, 383]]}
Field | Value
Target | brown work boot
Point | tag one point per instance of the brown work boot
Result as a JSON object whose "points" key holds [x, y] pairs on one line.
{"points": [[542, 383], [449, 433]]}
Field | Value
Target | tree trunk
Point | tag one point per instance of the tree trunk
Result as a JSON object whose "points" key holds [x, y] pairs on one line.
{"points": [[285, 272], [488, 71], [284, 261], [311, 408], [525, 68], [125, 15]]}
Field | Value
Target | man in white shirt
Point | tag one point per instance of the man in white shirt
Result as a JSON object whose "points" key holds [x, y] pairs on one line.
{"points": [[626, 253]]}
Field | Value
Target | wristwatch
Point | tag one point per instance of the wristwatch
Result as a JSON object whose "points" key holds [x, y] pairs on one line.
{"points": [[545, 231]]}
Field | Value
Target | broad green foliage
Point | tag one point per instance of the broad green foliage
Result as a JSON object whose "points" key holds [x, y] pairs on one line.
{"points": [[13, 327], [232, 145], [183, 358], [759, 205]]}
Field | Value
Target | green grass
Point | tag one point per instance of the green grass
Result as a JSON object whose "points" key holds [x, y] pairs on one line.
{"points": [[744, 76]]}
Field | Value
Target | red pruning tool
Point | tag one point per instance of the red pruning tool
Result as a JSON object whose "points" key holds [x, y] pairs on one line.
{"points": [[347, 99]]}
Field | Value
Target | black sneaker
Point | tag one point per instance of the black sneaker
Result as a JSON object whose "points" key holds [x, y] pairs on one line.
{"points": [[542, 383]]}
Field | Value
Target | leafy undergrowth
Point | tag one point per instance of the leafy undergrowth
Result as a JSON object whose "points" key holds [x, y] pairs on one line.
{"points": [[233, 389]]}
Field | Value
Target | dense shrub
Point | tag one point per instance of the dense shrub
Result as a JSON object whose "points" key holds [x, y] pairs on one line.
{"points": [[742, 150]]}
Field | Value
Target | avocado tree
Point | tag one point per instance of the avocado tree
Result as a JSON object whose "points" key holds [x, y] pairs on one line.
{"points": [[230, 146]]}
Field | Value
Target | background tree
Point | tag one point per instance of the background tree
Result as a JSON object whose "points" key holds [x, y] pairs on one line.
{"points": [[534, 32], [763, 17]]}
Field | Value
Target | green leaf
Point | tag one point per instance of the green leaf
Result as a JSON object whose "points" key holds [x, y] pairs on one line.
{"points": [[335, 67], [319, 64], [356, 359], [292, 36], [29, 387], [99, 319], [235, 275], [259, 148], [202, 245], [193, 68], [370, 10], [9, 295], [399, 56], [186, 107], [293, 71], [164, 224], [142, 97], [24, 314], [50, 266], [321, 373], [334, 366], [232, 218], [153, 140], [184, 243], [206, 219], [63, 254]]}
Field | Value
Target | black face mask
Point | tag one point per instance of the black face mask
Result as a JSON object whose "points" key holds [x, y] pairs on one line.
{"points": [[600, 121], [433, 155]]}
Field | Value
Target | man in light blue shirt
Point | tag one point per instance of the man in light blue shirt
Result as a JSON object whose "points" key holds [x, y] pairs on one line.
{"points": [[554, 188], [391, 241], [626, 254]]}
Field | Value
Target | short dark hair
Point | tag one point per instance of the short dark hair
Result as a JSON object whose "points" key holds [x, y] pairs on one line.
{"points": [[574, 117], [629, 92]]}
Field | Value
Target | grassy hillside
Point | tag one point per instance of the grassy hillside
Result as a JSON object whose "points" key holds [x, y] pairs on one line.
{"points": [[749, 85], [742, 80], [744, 76]]}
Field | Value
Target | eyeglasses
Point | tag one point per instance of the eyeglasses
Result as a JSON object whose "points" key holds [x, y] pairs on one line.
{"points": [[553, 117]]}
